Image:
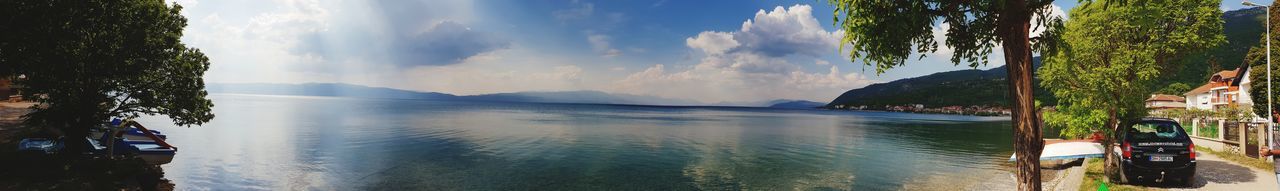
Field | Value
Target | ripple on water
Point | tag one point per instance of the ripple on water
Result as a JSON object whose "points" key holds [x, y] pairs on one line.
{"points": [[477, 146]]}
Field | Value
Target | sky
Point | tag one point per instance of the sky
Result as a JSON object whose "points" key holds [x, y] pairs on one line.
{"points": [[709, 51]]}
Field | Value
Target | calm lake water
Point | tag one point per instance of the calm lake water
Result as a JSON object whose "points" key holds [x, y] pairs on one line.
{"points": [[289, 142]]}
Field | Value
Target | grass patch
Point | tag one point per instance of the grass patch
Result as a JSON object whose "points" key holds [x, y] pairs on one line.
{"points": [[1239, 158], [1094, 176], [1209, 130]]}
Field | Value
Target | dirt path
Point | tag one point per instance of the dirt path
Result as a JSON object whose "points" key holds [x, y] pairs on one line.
{"points": [[10, 118], [1214, 173]]}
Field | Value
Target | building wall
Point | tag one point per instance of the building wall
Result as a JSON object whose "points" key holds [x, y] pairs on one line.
{"points": [[1200, 101], [1245, 98]]}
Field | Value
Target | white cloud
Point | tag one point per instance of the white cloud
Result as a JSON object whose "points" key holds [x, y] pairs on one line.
{"points": [[787, 31], [257, 48], [712, 42], [297, 41], [781, 32], [600, 43], [752, 64]]}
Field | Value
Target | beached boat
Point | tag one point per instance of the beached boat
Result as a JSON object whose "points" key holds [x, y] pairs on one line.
{"points": [[1069, 150], [130, 132], [135, 135], [154, 154], [146, 144], [39, 145]]}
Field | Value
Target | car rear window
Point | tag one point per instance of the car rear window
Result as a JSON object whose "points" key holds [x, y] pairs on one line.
{"points": [[1154, 131]]}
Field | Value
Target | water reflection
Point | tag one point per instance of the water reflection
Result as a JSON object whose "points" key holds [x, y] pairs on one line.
{"points": [[276, 142]]}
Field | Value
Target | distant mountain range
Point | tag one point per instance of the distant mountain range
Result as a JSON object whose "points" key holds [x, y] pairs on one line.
{"points": [[1243, 29], [960, 87], [323, 89], [797, 104], [350, 90]]}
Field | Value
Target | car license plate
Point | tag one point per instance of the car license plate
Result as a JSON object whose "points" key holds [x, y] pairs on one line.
{"points": [[1161, 158]]}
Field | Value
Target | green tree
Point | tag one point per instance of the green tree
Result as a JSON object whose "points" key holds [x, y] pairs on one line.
{"points": [[88, 61], [886, 33], [1112, 56], [1256, 60], [1176, 88]]}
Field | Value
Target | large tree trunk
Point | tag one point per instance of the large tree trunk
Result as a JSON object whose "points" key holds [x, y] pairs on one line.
{"points": [[1014, 24], [1111, 163], [76, 130]]}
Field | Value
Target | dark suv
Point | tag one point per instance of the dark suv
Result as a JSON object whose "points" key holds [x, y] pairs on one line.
{"points": [[1157, 149]]}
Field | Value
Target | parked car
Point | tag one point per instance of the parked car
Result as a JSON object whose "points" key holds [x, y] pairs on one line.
{"points": [[1157, 149]]}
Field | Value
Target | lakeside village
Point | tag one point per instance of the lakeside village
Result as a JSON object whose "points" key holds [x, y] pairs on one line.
{"points": [[1225, 90], [976, 110]]}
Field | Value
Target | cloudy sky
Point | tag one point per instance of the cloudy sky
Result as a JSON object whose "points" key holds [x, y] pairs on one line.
{"points": [[709, 51]]}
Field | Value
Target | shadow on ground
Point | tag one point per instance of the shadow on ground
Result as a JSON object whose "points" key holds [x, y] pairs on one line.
{"points": [[1216, 172]]}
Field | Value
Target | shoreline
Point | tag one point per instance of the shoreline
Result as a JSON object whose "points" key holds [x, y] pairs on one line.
{"points": [[23, 171], [911, 112]]}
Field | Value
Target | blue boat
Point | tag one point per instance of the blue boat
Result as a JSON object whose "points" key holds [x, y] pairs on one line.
{"points": [[40, 145], [150, 145], [132, 133]]}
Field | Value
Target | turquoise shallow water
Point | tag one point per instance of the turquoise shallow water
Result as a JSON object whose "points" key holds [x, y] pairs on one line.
{"points": [[290, 142]]}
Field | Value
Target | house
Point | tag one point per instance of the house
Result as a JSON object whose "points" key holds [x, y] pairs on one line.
{"points": [[1162, 102], [1227, 88]]}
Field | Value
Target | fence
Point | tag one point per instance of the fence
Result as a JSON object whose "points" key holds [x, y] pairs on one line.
{"points": [[1223, 135]]}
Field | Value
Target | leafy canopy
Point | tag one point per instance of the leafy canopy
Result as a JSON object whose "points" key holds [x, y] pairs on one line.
{"points": [[1176, 88], [885, 33], [1256, 60], [91, 60], [1113, 55]]}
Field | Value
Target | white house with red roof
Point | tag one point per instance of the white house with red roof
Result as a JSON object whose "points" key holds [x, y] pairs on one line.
{"points": [[1227, 88], [1163, 101]]}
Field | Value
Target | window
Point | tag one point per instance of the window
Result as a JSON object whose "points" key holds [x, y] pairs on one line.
{"points": [[1149, 131]]}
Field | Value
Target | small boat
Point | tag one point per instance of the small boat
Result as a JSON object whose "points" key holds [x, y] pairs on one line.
{"points": [[1069, 150], [131, 132], [152, 153], [136, 135], [151, 147], [39, 145]]}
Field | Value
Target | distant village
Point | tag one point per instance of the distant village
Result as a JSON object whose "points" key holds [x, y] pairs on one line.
{"points": [[920, 108], [1225, 89]]}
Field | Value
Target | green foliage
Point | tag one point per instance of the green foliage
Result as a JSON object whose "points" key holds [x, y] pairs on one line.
{"points": [[1209, 129], [884, 33], [1258, 88], [1176, 88], [88, 61], [972, 32], [1256, 59], [1112, 55], [1070, 121], [1242, 29]]}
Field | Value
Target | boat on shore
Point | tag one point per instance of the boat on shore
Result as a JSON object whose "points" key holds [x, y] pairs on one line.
{"points": [[137, 140]]}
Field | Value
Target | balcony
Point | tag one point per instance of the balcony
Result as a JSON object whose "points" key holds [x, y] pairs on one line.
{"points": [[1227, 99]]}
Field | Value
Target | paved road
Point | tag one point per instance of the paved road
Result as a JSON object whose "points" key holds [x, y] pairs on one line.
{"points": [[1214, 173]]}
